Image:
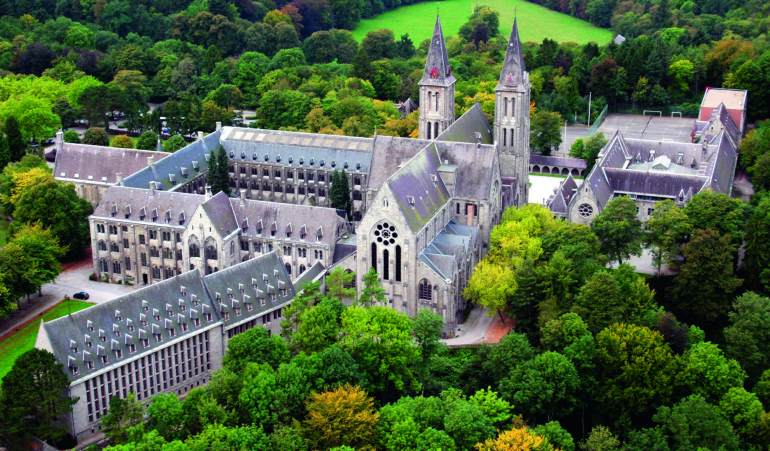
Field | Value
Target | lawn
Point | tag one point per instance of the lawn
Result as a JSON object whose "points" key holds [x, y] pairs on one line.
{"points": [[24, 340], [535, 22]]}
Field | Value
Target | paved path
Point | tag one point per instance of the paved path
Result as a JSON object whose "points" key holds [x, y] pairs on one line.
{"points": [[71, 281], [473, 330]]}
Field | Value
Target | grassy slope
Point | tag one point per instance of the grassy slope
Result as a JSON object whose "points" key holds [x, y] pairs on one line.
{"points": [[24, 340], [535, 22]]}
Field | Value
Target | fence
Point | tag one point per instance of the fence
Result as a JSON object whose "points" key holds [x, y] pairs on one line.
{"points": [[598, 121]]}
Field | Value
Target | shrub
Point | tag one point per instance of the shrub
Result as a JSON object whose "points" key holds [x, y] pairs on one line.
{"points": [[96, 136], [123, 141], [71, 136]]}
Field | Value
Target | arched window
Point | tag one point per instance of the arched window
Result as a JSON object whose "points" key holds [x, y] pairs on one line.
{"points": [[385, 264], [505, 136], [511, 137], [208, 269], [398, 263], [195, 251], [457, 208], [374, 256], [429, 130], [430, 100], [505, 106], [179, 254], [437, 97], [356, 195], [301, 269], [425, 290], [352, 283], [154, 252], [102, 245], [385, 202], [105, 266], [155, 272], [288, 268], [435, 130], [232, 247]]}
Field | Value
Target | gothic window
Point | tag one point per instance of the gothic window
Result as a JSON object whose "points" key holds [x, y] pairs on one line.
{"points": [[398, 263], [258, 247], [430, 99], [356, 180], [585, 210], [511, 137], [195, 251], [437, 101], [154, 252], [505, 136], [385, 233], [356, 195], [102, 246], [425, 290], [429, 130], [211, 252], [435, 130], [374, 256], [505, 106], [352, 283], [105, 266], [386, 264], [114, 247], [155, 272], [288, 268], [301, 269]]}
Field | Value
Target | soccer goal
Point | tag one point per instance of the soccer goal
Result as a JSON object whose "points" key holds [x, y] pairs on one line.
{"points": [[676, 112], [660, 113]]}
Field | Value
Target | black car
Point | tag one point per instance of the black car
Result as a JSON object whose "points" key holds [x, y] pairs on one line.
{"points": [[82, 295]]}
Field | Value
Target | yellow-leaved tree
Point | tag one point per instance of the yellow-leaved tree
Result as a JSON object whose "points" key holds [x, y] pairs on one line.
{"points": [[344, 416], [517, 439]]}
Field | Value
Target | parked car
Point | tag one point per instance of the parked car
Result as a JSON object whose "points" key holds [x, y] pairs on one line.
{"points": [[82, 295], [166, 130]]}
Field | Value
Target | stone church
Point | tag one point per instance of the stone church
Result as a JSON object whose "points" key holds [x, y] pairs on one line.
{"points": [[422, 212]]}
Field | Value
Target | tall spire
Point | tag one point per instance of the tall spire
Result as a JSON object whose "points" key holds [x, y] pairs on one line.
{"points": [[513, 66], [437, 70]]}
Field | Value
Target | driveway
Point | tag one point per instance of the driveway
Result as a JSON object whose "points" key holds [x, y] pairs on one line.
{"points": [[474, 329]]}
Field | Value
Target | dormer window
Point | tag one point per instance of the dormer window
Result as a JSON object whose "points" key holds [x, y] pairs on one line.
{"points": [[118, 353], [132, 348], [90, 365], [104, 360], [410, 199], [145, 342]]}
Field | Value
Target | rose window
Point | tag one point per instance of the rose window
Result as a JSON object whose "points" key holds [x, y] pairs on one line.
{"points": [[385, 233], [585, 210]]}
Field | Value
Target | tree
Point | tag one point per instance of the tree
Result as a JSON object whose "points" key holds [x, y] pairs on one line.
{"points": [[147, 141], [381, 341], [591, 148], [372, 293], [619, 230], [94, 102], [517, 439], [58, 206], [339, 194], [223, 168], [546, 385], [379, 44], [514, 349], [749, 332], [668, 228], [165, 415], [718, 211], [546, 132], [16, 147], [693, 423], [255, 346], [71, 136], [636, 369], [174, 143], [33, 398], [38, 263], [600, 438], [745, 412], [342, 416], [96, 136], [317, 329], [492, 286], [601, 302], [706, 282], [123, 141], [556, 435], [283, 109], [426, 327], [337, 282], [711, 373], [124, 414]]}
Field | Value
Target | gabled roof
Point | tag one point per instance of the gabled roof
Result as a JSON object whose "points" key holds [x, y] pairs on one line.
{"points": [[446, 252], [98, 164], [471, 127], [419, 196], [512, 73], [389, 153], [437, 69], [475, 167], [220, 213], [130, 204]]}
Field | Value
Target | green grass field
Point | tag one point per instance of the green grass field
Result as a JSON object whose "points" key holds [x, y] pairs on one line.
{"points": [[535, 22], [24, 340]]}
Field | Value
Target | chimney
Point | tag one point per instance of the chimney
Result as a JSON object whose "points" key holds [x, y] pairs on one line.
{"points": [[208, 192], [243, 194], [152, 188], [200, 136], [119, 177], [59, 140], [151, 162], [219, 126]]}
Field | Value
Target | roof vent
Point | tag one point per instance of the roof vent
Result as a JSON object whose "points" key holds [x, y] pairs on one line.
{"points": [[184, 172], [291, 159], [301, 160], [410, 199], [322, 162], [334, 163], [254, 156], [232, 154], [267, 156], [278, 158], [346, 164], [358, 165], [312, 161], [196, 166]]}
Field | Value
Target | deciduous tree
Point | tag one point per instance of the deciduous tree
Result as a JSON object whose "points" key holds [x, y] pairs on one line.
{"points": [[255, 346], [123, 415], [344, 416], [668, 226], [147, 141], [96, 136], [749, 332], [123, 141], [545, 136]]}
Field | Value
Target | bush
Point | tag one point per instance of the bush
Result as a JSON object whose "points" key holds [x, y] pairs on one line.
{"points": [[71, 136], [174, 143], [123, 141], [93, 277], [148, 141], [96, 136]]}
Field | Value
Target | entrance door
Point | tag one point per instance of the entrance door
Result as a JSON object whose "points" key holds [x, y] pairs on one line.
{"points": [[144, 278]]}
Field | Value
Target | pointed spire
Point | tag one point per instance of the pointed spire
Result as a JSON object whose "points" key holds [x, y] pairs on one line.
{"points": [[512, 73], [437, 70]]}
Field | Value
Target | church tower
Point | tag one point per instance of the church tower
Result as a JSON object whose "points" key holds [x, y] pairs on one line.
{"points": [[511, 127], [437, 89]]}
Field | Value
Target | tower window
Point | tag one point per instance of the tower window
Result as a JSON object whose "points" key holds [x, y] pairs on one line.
{"points": [[505, 135], [511, 137], [430, 102], [429, 130], [505, 106], [435, 129], [436, 101]]}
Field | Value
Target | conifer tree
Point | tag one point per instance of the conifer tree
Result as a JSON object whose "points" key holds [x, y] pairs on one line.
{"points": [[16, 145], [222, 167], [339, 195], [5, 152], [373, 291], [213, 173]]}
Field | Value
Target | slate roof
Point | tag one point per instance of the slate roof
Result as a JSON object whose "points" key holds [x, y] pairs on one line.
{"points": [[559, 202], [315, 220], [722, 115], [309, 275], [131, 309], [512, 73], [446, 252], [308, 150], [437, 59], [418, 188], [169, 173], [98, 164], [130, 204], [345, 246], [220, 213], [475, 168], [722, 172], [250, 282], [389, 153], [651, 183], [541, 160], [471, 127]]}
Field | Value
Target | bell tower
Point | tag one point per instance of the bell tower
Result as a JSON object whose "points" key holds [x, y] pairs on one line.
{"points": [[437, 89], [511, 129]]}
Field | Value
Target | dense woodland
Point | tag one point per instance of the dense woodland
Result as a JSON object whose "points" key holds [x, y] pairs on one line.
{"points": [[601, 359]]}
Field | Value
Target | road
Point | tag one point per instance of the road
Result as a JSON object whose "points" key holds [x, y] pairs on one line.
{"points": [[474, 329]]}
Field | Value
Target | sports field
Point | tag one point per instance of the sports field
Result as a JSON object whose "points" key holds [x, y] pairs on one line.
{"points": [[535, 22], [24, 340]]}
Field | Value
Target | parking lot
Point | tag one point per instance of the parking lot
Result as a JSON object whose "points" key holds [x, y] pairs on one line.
{"points": [[653, 128]]}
